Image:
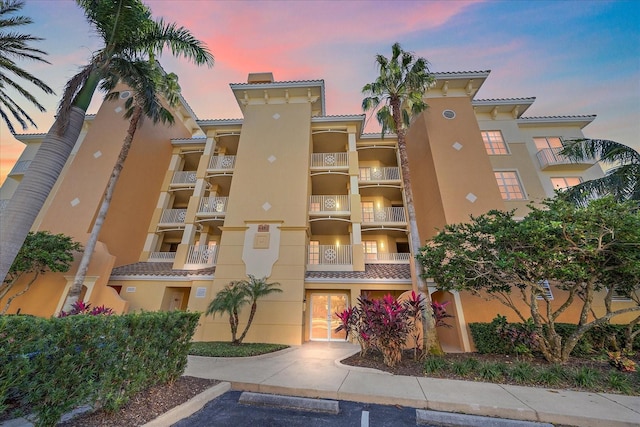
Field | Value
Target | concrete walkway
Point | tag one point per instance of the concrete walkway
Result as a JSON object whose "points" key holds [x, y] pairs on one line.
{"points": [[314, 370]]}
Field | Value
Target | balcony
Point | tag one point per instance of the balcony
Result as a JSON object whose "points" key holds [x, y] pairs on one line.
{"points": [[184, 178], [201, 256], [329, 205], [330, 161], [173, 217], [212, 206], [385, 217], [162, 257], [329, 257], [387, 258], [549, 159], [20, 167], [382, 174], [221, 163]]}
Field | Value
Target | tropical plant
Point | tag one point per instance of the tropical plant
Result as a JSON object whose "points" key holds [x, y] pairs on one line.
{"points": [[237, 294], [622, 180], [40, 253], [15, 45], [81, 307], [397, 95], [590, 253], [147, 82], [127, 31]]}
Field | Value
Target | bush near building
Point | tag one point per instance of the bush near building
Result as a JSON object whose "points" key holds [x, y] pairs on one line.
{"points": [[53, 365]]}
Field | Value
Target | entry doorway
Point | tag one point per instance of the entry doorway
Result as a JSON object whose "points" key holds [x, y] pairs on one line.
{"points": [[323, 319]]}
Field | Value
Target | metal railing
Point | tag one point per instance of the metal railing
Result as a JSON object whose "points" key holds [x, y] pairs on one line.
{"points": [[213, 205], [387, 258], [550, 157], [173, 216], [385, 215], [222, 162], [335, 203], [184, 177], [379, 174], [20, 167], [202, 255], [329, 160], [329, 255], [162, 257]]}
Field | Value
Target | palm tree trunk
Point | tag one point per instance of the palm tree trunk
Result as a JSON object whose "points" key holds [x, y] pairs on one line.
{"points": [[76, 288], [254, 306], [27, 201], [430, 341]]}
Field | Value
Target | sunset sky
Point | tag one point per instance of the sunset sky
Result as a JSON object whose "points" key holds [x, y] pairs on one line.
{"points": [[575, 57]]}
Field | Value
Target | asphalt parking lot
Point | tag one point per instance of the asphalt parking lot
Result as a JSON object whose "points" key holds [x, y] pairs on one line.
{"points": [[226, 411]]}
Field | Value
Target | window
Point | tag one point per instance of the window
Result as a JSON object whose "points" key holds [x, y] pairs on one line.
{"points": [[365, 174], [493, 142], [560, 183], [314, 252], [509, 184], [370, 249], [314, 207], [547, 142], [546, 288], [367, 212]]}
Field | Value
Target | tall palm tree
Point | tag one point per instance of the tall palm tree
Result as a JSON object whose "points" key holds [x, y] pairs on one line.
{"points": [[127, 31], [16, 45], [622, 180], [254, 290], [147, 82], [397, 95]]}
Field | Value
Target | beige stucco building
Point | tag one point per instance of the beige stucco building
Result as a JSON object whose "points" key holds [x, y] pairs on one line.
{"points": [[292, 194]]}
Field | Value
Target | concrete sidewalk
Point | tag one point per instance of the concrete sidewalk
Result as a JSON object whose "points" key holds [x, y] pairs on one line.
{"points": [[314, 370]]}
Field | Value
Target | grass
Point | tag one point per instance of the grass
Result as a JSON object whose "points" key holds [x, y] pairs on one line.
{"points": [[226, 349]]}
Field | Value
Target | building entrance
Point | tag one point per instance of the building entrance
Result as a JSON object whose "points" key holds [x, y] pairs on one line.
{"points": [[323, 318]]}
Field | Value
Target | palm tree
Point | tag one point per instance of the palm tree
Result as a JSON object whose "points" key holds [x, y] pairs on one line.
{"points": [[147, 81], [622, 180], [16, 45], [397, 94], [127, 31], [256, 289], [229, 300]]}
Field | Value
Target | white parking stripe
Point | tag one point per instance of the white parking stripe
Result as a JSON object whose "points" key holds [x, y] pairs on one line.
{"points": [[364, 421]]}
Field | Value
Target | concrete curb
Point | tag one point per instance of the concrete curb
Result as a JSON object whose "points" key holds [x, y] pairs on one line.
{"points": [[189, 407], [289, 402], [450, 419]]}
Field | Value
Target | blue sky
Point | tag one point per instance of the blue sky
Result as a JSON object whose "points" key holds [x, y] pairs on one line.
{"points": [[575, 57]]}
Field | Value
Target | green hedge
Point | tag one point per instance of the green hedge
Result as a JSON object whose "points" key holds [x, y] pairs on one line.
{"points": [[53, 365], [487, 339]]}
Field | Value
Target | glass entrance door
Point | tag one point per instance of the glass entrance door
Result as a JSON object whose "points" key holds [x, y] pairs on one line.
{"points": [[323, 318]]}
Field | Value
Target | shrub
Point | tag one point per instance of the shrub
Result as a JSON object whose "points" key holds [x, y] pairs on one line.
{"points": [[53, 365], [435, 364], [490, 371], [586, 377], [619, 382], [621, 362], [522, 372]]}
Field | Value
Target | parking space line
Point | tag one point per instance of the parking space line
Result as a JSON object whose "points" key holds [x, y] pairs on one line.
{"points": [[364, 421]]}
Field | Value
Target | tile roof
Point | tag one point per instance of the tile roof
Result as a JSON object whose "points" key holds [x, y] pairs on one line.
{"points": [[158, 269], [371, 272]]}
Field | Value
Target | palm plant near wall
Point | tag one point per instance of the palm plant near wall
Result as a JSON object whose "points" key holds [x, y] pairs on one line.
{"points": [[128, 32], [622, 180], [14, 45], [147, 82], [397, 95]]}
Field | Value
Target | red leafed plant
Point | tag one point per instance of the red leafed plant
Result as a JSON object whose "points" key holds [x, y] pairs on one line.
{"points": [[81, 307]]}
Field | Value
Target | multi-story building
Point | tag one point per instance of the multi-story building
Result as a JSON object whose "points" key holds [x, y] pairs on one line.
{"points": [[289, 193]]}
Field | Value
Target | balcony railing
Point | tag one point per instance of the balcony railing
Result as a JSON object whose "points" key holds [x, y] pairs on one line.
{"points": [[213, 205], [202, 255], [379, 174], [548, 157], [385, 216], [329, 204], [222, 163], [184, 177], [329, 255], [162, 257], [387, 258], [329, 160], [173, 216], [20, 167]]}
